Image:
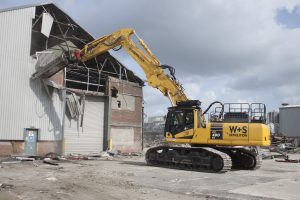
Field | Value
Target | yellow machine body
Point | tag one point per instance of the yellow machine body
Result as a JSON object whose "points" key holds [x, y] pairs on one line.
{"points": [[221, 133], [228, 134]]}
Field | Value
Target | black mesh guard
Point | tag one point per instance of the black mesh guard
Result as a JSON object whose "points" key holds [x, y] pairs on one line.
{"points": [[189, 103]]}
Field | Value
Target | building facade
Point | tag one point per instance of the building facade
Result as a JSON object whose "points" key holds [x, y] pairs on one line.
{"points": [[72, 111], [289, 118]]}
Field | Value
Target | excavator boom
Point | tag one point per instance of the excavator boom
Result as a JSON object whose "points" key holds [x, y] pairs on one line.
{"points": [[154, 71]]}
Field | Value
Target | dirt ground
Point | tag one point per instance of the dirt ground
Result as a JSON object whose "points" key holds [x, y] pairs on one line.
{"points": [[131, 178]]}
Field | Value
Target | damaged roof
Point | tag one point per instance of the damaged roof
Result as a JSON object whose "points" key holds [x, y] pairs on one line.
{"points": [[66, 29]]}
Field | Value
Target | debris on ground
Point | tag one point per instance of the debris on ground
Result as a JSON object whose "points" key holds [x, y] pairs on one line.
{"points": [[25, 159], [281, 146], [10, 162], [106, 155], [135, 154], [130, 177], [5, 186], [284, 143], [271, 154], [53, 156], [50, 161], [99, 156], [76, 157], [52, 178], [277, 139], [288, 160], [35, 164]]}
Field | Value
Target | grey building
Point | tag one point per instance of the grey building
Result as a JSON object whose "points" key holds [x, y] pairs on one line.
{"points": [[154, 131], [273, 121], [72, 110], [289, 120]]}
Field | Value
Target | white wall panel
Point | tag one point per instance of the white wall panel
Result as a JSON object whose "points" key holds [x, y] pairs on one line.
{"points": [[88, 138], [23, 102]]}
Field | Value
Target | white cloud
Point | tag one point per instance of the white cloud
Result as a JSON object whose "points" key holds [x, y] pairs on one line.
{"points": [[230, 51]]}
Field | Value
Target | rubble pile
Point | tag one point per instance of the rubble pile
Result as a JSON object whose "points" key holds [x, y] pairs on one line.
{"points": [[54, 159], [281, 146]]}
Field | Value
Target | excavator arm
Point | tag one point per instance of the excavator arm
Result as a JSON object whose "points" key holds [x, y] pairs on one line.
{"points": [[154, 71]]}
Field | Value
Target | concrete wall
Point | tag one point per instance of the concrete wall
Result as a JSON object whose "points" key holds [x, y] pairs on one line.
{"points": [[126, 116]]}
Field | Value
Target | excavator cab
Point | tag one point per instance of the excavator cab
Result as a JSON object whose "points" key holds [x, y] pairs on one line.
{"points": [[179, 120], [184, 117]]}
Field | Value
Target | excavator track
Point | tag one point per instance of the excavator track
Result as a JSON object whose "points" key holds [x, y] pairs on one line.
{"points": [[243, 159], [189, 158]]}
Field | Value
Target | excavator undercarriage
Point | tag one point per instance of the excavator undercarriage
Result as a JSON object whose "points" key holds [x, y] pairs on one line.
{"points": [[207, 159]]}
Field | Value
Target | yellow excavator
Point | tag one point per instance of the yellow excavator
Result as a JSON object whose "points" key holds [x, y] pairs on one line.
{"points": [[215, 141]]}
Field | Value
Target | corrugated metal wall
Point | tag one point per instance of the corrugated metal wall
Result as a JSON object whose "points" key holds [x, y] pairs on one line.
{"points": [[23, 102], [289, 121], [88, 138]]}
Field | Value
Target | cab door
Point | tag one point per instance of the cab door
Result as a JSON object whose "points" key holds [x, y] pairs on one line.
{"points": [[180, 124]]}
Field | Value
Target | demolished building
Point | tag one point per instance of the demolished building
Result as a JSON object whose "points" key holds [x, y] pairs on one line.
{"points": [[73, 111]]}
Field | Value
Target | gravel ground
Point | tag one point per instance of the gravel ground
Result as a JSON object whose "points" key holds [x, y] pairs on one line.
{"points": [[131, 178]]}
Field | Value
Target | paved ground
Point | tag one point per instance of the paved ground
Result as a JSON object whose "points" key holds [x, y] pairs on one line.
{"points": [[132, 179]]}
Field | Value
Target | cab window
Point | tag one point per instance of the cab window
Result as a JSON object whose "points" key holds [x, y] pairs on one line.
{"points": [[180, 120]]}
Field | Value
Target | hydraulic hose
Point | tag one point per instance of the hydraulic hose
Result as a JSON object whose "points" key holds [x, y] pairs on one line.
{"points": [[207, 109], [171, 70]]}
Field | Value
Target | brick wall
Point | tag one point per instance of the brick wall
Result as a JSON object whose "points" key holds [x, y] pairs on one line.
{"points": [[127, 116], [58, 78], [17, 147]]}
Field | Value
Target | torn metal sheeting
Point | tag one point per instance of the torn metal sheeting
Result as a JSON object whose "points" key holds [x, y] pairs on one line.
{"points": [[51, 68], [54, 34], [47, 21], [74, 106]]}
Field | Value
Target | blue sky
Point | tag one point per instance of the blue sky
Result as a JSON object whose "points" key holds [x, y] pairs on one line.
{"points": [[290, 19], [231, 51]]}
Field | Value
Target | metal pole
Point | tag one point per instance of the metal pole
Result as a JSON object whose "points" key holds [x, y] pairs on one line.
{"points": [[83, 82], [87, 88], [64, 96]]}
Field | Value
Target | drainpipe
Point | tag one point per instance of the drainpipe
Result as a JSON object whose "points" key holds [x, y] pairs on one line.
{"points": [[142, 127], [64, 113], [107, 117]]}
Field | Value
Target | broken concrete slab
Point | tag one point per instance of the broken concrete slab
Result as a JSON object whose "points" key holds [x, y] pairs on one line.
{"points": [[25, 159], [52, 178], [50, 161], [6, 186], [10, 162]]}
